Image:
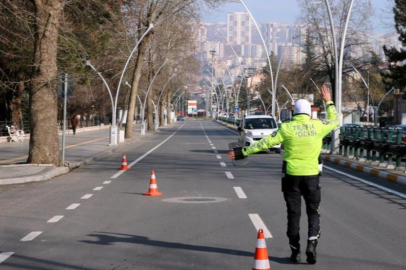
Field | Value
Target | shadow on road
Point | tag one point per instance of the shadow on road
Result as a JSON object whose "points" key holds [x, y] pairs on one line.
{"points": [[106, 238], [25, 262]]}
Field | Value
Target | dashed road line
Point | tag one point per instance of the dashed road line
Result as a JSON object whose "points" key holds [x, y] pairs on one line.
{"points": [[31, 236], [55, 219], [106, 182], [5, 255], [223, 164], [240, 193], [259, 224], [146, 154], [73, 206], [218, 157], [87, 196], [213, 147], [98, 188], [229, 175]]}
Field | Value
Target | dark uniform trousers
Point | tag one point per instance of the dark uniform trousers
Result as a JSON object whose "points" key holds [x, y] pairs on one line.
{"points": [[293, 188]]}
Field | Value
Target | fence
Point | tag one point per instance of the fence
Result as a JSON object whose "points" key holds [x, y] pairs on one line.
{"points": [[385, 147]]}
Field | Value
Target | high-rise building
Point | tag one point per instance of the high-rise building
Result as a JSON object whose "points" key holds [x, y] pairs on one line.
{"points": [[239, 28], [290, 54]]}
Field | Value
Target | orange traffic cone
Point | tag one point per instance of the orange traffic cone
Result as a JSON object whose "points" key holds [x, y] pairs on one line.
{"points": [[124, 166], [153, 187], [261, 260]]}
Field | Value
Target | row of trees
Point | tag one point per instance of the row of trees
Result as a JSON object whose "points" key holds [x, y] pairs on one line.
{"points": [[41, 38]]}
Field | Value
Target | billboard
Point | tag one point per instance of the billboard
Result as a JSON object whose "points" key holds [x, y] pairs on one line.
{"points": [[192, 107]]}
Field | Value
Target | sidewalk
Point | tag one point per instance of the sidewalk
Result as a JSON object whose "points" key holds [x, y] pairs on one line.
{"points": [[80, 149]]}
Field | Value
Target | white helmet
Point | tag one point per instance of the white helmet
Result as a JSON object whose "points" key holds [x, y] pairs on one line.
{"points": [[302, 106]]}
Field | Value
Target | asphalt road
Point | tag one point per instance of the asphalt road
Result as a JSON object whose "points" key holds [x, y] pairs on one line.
{"points": [[200, 222]]}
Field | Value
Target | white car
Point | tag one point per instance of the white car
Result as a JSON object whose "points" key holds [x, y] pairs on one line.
{"points": [[254, 127]]}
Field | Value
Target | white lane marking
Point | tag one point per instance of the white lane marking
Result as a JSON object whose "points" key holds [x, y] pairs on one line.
{"points": [[211, 144], [5, 255], [55, 219], [146, 154], [367, 183], [229, 175], [218, 157], [106, 182], [223, 164], [259, 224], [98, 188], [213, 147], [73, 206], [31, 236], [240, 193], [87, 196]]}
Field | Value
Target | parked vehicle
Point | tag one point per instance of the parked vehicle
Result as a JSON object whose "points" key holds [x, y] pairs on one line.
{"points": [[254, 127], [180, 118]]}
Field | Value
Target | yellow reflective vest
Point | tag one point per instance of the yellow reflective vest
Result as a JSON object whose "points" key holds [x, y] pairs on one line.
{"points": [[302, 140]]}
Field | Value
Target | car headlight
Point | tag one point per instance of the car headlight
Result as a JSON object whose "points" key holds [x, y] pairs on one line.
{"points": [[248, 133]]}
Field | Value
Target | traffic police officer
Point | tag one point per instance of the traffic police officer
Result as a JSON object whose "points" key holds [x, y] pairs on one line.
{"points": [[302, 141]]}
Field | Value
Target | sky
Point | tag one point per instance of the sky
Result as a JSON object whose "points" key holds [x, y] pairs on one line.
{"points": [[284, 11]]}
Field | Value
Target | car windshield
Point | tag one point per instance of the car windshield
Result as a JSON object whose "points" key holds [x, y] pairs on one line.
{"points": [[260, 123]]}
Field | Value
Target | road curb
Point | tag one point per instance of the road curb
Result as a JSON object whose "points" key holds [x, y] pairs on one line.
{"points": [[53, 172], [388, 176]]}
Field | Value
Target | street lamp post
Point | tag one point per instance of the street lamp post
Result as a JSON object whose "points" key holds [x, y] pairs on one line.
{"points": [[236, 95], [113, 128], [368, 88], [379, 104], [267, 56], [146, 97], [287, 91], [212, 52], [324, 103], [338, 66]]}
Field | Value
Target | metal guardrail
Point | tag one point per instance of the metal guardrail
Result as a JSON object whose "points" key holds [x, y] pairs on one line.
{"points": [[230, 120], [385, 147]]}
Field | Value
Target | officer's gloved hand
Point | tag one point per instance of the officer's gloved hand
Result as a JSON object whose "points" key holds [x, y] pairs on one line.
{"points": [[238, 153]]}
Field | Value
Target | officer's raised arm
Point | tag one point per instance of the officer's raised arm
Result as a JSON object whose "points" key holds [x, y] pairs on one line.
{"points": [[267, 142], [332, 119]]}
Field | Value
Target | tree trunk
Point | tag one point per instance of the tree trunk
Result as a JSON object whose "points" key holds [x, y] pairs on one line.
{"points": [[134, 87], [162, 115], [15, 107], [169, 108], [44, 141]]}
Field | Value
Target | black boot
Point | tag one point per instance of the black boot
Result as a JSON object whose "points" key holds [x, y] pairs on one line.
{"points": [[295, 247], [311, 251]]}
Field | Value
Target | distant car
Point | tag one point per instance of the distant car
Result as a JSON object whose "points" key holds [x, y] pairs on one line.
{"points": [[180, 118], [255, 127]]}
